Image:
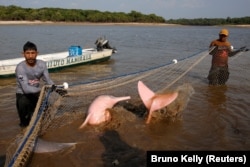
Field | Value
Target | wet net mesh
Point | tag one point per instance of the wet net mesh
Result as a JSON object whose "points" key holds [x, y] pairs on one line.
{"points": [[55, 109]]}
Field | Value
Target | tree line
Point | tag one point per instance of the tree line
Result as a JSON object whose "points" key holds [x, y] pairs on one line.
{"points": [[211, 21], [16, 13], [74, 15]]}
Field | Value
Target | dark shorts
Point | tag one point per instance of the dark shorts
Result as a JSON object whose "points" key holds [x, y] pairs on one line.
{"points": [[26, 105], [218, 75]]}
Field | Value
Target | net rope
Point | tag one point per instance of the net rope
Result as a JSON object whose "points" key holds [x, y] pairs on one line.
{"points": [[54, 110]]}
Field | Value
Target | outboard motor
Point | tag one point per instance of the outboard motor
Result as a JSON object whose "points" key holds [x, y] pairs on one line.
{"points": [[102, 43]]}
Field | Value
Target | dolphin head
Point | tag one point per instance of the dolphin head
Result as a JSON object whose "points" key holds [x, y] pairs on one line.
{"points": [[98, 111], [112, 100]]}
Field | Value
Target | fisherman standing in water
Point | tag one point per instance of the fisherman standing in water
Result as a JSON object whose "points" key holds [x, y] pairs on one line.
{"points": [[219, 73], [28, 75]]}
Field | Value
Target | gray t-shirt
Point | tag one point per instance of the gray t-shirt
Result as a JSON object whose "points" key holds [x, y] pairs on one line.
{"points": [[28, 78]]}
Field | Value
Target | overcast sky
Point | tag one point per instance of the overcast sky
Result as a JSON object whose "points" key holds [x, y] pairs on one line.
{"points": [[168, 9]]}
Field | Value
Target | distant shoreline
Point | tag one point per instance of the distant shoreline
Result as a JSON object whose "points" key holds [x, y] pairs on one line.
{"points": [[79, 23], [89, 23]]}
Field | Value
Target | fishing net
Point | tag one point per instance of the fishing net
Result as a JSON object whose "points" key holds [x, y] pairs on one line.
{"points": [[56, 109]]}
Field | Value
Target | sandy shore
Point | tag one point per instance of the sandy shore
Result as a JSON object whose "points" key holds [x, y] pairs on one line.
{"points": [[80, 23], [88, 23], [23, 22]]}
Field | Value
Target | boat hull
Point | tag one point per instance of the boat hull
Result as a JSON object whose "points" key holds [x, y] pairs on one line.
{"points": [[57, 61], [82, 63]]}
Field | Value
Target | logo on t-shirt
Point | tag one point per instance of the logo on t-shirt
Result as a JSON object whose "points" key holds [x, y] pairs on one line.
{"points": [[33, 82]]}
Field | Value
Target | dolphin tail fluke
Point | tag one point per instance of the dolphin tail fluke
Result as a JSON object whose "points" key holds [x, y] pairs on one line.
{"points": [[146, 94], [160, 101], [149, 117]]}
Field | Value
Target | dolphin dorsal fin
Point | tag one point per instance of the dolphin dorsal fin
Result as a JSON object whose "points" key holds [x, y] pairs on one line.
{"points": [[146, 94]]}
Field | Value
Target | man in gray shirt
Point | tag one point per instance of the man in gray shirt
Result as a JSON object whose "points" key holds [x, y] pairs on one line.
{"points": [[28, 76]]}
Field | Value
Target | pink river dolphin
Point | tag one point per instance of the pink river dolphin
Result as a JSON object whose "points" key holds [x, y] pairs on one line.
{"points": [[43, 146], [154, 101], [98, 110]]}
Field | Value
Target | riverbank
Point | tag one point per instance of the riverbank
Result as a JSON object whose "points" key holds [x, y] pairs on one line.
{"points": [[37, 22], [80, 23]]}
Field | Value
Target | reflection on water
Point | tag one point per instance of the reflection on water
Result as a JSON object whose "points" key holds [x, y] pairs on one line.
{"points": [[119, 153], [216, 95], [7, 82], [83, 74]]}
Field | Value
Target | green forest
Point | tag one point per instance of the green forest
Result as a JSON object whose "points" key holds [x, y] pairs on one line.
{"points": [[16, 13]]}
